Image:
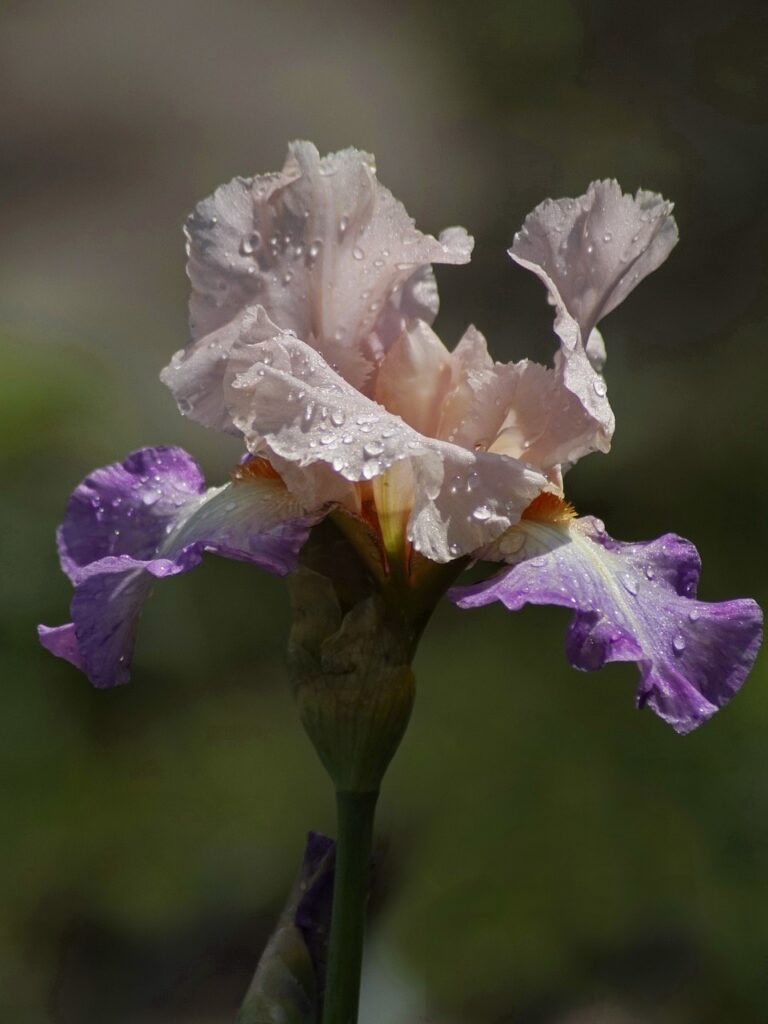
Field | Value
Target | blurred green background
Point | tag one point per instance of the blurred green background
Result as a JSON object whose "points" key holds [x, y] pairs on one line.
{"points": [[546, 854]]}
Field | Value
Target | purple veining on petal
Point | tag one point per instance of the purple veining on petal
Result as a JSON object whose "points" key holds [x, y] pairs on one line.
{"points": [[125, 508], [634, 602], [148, 517]]}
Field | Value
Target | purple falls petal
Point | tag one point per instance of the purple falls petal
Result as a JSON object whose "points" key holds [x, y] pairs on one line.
{"points": [[148, 517], [633, 602]]}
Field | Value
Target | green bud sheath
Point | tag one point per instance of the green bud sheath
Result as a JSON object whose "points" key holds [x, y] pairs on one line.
{"points": [[352, 679]]}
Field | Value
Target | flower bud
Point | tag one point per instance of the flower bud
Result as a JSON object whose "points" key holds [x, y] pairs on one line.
{"points": [[352, 678]]}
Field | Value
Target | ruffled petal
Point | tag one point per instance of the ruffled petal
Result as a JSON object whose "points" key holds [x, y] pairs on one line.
{"points": [[632, 602], [320, 431], [325, 249], [590, 253], [149, 517], [126, 508], [521, 409]]}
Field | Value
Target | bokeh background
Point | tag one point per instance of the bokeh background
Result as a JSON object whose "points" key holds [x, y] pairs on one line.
{"points": [[546, 855]]}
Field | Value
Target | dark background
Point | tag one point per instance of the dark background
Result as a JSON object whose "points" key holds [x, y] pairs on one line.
{"points": [[546, 854]]}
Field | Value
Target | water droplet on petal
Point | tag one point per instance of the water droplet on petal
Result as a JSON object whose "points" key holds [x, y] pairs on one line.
{"points": [[630, 583], [358, 253], [607, 236], [650, 572], [373, 449], [337, 417], [678, 644], [481, 513], [600, 388], [694, 614]]}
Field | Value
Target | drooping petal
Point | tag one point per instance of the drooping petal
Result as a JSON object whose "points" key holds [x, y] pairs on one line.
{"points": [[632, 602], [127, 507], [294, 406], [590, 253], [150, 517], [325, 249]]}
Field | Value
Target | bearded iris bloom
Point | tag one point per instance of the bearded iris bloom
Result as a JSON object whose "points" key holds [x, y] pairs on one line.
{"points": [[312, 303], [378, 465]]}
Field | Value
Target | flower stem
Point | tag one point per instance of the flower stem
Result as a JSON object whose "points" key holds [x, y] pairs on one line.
{"points": [[350, 894]]}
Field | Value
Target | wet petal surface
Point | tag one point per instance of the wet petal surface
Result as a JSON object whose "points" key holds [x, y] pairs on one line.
{"points": [[325, 250], [292, 405], [148, 517], [632, 602]]}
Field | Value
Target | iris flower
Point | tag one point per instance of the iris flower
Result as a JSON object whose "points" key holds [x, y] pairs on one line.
{"points": [[312, 303]]}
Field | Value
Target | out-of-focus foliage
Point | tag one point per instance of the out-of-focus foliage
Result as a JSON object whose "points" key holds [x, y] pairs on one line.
{"points": [[546, 853]]}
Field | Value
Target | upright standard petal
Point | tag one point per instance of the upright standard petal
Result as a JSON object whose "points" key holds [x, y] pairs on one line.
{"points": [[325, 249], [149, 517], [292, 405], [632, 602], [590, 253]]}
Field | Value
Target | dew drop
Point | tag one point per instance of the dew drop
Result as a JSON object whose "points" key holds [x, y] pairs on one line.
{"points": [[600, 388], [678, 644], [358, 253], [372, 449], [343, 225], [607, 237], [481, 513], [694, 614], [370, 469], [630, 583], [650, 572], [337, 417]]}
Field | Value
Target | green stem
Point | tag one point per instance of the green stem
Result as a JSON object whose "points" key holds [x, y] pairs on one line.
{"points": [[350, 894]]}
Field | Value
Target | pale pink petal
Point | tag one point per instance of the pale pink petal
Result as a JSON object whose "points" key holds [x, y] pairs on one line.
{"points": [[415, 377], [591, 252], [519, 409], [325, 249], [291, 404], [477, 402]]}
